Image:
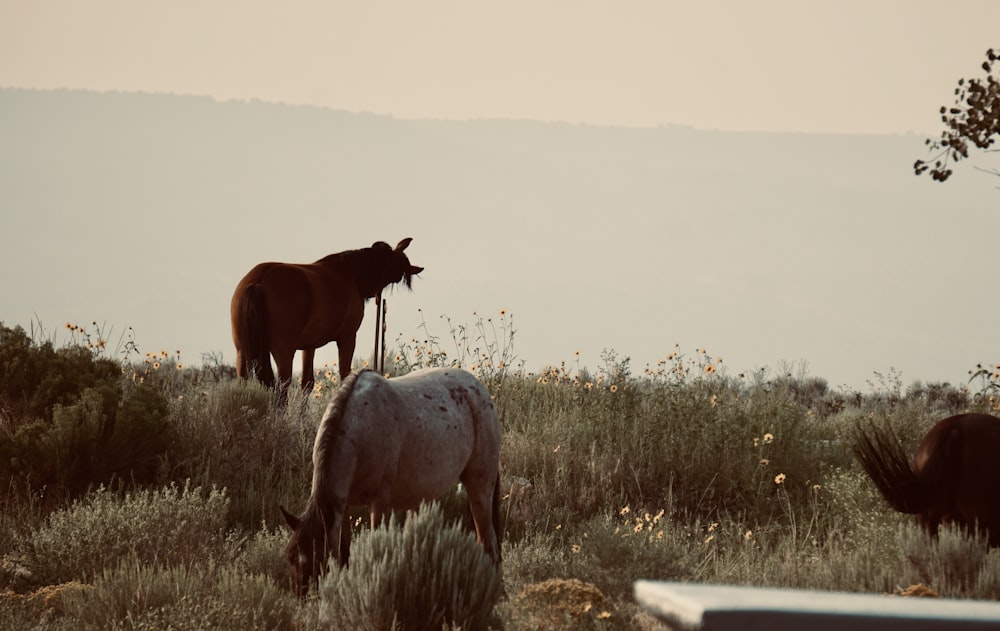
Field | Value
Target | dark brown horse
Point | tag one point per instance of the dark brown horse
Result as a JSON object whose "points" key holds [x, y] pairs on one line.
{"points": [[954, 476], [279, 308]]}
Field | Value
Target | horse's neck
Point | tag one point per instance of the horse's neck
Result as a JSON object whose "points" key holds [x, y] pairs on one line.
{"points": [[360, 266]]}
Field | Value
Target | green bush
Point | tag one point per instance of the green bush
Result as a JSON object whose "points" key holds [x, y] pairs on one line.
{"points": [[423, 574], [34, 377], [70, 423]]}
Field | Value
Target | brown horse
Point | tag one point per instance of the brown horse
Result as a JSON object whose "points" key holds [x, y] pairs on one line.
{"points": [[392, 444], [953, 478], [279, 308]]}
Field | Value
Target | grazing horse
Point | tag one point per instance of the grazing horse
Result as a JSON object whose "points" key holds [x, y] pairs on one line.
{"points": [[390, 444], [279, 308], [954, 476]]}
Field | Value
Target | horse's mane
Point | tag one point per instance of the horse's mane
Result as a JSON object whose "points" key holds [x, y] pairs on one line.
{"points": [[367, 265], [328, 433]]}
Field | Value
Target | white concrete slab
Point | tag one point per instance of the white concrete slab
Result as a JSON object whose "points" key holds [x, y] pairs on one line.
{"points": [[725, 608]]}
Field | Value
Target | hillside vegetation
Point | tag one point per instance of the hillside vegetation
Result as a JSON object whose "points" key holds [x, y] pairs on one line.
{"points": [[144, 494]]}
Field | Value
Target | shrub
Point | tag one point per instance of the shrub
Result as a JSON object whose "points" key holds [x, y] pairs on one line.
{"points": [[35, 377], [68, 423], [152, 597], [232, 436], [170, 526], [423, 574]]}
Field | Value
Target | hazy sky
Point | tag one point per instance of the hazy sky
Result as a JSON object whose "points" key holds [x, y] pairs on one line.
{"points": [[775, 65]]}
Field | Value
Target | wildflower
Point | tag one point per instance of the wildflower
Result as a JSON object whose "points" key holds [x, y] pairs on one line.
{"points": [[709, 539], [713, 400], [765, 461], [180, 366], [816, 488], [558, 526], [656, 517], [604, 615], [713, 526], [778, 479], [503, 312], [575, 548], [659, 534], [768, 438], [756, 442], [624, 511], [614, 388], [747, 535], [156, 365], [709, 369]]}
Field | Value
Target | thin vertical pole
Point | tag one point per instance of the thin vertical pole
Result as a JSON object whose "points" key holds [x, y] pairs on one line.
{"points": [[385, 311], [378, 330]]}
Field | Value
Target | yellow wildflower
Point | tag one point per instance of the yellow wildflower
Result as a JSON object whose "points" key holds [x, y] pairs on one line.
{"points": [[778, 479]]}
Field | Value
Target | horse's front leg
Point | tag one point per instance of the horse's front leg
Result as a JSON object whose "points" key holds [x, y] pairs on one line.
{"points": [[345, 540], [308, 376], [345, 351]]}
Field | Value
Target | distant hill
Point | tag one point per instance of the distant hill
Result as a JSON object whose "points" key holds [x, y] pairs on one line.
{"points": [[144, 210]]}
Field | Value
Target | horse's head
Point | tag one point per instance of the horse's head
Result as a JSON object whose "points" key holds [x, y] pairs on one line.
{"points": [[394, 266], [307, 552]]}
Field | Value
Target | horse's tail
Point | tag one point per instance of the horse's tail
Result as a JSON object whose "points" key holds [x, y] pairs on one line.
{"points": [[496, 519], [252, 330], [887, 464]]}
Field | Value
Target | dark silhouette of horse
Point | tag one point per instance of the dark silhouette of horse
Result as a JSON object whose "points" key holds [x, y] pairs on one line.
{"points": [[279, 308], [391, 444], [954, 476]]}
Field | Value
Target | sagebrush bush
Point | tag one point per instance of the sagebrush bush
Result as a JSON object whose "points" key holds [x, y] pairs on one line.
{"points": [[170, 526], [151, 597], [422, 574]]}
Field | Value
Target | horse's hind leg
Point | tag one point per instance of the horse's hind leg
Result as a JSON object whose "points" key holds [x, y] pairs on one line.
{"points": [[481, 505]]}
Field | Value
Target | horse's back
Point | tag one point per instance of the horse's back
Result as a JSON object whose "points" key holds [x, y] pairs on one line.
{"points": [[422, 431]]}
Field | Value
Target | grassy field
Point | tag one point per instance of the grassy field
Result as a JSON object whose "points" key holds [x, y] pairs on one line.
{"points": [[145, 494]]}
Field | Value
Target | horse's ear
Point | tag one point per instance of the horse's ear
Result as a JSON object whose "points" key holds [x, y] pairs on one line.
{"points": [[291, 520], [414, 270], [402, 245]]}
